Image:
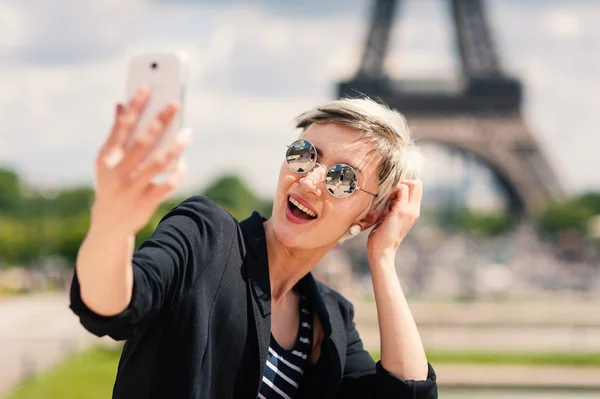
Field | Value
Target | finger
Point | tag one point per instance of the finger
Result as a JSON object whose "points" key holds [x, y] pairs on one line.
{"points": [[415, 190], [112, 137], [158, 192], [138, 101], [126, 118], [415, 196], [145, 141], [160, 162], [130, 117], [401, 199], [404, 195], [133, 112]]}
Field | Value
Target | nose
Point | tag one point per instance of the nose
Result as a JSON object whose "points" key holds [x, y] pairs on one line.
{"points": [[311, 181]]}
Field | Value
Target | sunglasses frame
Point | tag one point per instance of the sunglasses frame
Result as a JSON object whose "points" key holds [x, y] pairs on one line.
{"points": [[318, 164]]}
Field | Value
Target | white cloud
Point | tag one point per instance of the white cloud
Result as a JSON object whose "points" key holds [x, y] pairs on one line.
{"points": [[57, 118], [65, 31], [561, 24], [13, 30], [306, 9]]}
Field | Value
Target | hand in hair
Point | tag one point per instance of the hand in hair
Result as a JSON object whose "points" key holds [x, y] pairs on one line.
{"points": [[401, 213]]}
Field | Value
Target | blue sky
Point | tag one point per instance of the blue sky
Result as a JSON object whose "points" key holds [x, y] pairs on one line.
{"points": [[257, 64]]}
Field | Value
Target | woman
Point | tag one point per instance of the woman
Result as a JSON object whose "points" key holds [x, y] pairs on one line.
{"points": [[214, 308]]}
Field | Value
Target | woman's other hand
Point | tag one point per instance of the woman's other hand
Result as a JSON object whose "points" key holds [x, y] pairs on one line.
{"points": [[402, 212]]}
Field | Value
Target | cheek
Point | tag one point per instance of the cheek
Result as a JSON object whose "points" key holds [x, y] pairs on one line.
{"points": [[335, 215], [286, 179], [348, 211]]}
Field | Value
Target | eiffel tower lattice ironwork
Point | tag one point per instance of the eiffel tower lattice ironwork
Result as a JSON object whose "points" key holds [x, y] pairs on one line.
{"points": [[479, 114]]}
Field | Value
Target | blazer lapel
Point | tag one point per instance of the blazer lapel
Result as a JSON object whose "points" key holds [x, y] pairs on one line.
{"points": [[318, 380], [257, 269], [308, 286]]}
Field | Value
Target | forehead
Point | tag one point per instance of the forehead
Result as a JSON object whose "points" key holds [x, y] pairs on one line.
{"points": [[339, 143]]}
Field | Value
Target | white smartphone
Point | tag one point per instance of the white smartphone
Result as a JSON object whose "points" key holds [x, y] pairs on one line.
{"points": [[165, 75]]}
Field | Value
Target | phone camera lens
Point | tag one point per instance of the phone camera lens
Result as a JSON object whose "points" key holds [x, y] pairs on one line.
{"points": [[154, 65]]}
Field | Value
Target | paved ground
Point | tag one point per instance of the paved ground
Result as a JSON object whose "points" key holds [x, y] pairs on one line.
{"points": [[36, 332], [515, 394], [559, 325], [39, 331], [518, 376]]}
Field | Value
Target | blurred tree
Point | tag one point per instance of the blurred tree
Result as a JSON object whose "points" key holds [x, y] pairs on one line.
{"points": [[10, 190], [487, 224], [231, 193], [448, 218], [71, 232], [72, 201], [13, 241], [590, 201], [40, 223], [574, 216]]}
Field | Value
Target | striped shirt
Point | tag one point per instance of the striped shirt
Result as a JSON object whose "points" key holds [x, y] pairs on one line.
{"points": [[285, 367]]}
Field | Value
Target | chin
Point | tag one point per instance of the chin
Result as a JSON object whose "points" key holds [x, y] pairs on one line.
{"points": [[285, 238], [300, 237], [288, 234]]}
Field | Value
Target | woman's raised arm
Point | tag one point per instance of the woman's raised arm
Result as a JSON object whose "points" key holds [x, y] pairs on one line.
{"points": [[126, 198]]}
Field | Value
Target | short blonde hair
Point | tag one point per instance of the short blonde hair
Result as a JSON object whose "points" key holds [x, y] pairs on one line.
{"points": [[399, 157]]}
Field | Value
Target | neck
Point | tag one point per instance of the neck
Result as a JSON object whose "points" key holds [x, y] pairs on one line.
{"points": [[287, 265]]}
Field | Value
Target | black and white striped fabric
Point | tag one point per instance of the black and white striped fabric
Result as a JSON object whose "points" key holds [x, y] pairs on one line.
{"points": [[284, 369]]}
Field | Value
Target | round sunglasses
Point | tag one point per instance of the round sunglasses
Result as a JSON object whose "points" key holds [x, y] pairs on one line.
{"points": [[341, 179]]}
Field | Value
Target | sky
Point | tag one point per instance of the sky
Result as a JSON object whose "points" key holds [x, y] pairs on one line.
{"points": [[256, 64]]}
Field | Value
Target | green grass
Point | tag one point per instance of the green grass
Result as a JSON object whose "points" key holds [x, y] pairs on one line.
{"points": [[88, 375], [508, 358], [91, 374]]}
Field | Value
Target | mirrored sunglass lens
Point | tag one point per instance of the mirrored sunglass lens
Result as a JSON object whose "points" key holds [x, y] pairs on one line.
{"points": [[341, 180], [301, 156]]}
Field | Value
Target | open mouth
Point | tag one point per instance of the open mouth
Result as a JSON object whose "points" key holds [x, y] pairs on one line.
{"points": [[299, 210]]}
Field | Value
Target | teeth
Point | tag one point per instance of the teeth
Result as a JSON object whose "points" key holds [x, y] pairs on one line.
{"points": [[303, 208]]}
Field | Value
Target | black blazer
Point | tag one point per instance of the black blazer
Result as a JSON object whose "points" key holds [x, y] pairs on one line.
{"points": [[198, 325]]}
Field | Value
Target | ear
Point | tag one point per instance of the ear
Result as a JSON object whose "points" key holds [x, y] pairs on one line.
{"points": [[371, 219]]}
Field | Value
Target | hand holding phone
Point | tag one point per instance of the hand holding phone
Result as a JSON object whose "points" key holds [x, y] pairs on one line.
{"points": [[144, 143]]}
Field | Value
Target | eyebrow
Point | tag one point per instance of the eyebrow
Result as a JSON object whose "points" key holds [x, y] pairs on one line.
{"points": [[320, 154]]}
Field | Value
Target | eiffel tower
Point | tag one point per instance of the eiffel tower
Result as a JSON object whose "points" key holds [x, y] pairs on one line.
{"points": [[478, 114]]}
